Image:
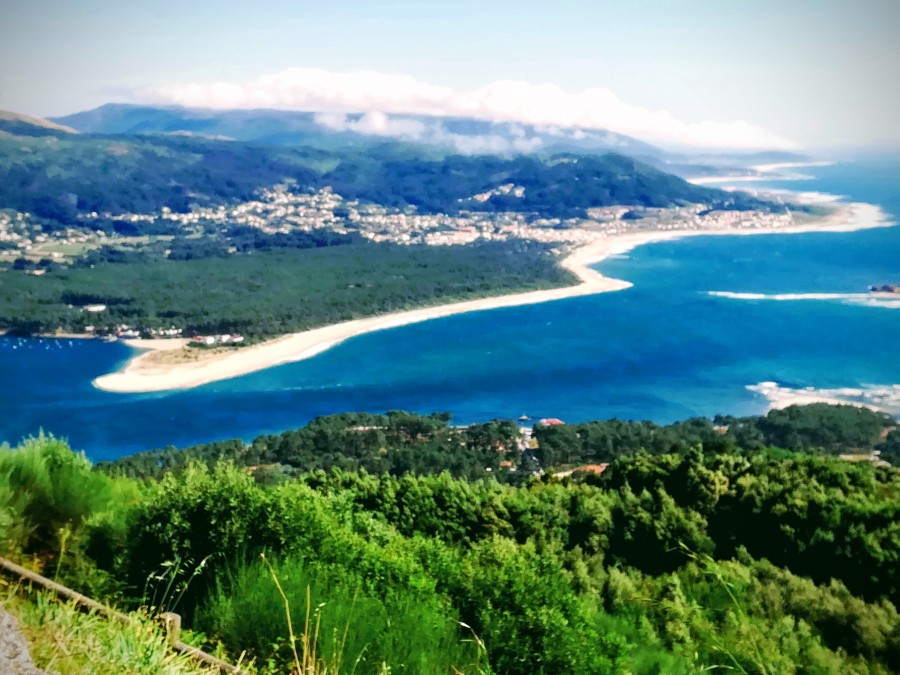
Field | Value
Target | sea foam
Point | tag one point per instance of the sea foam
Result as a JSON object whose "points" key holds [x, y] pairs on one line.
{"points": [[883, 397], [866, 299]]}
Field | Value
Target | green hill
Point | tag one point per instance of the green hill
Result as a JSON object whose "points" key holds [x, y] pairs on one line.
{"points": [[692, 551], [25, 125], [59, 176]]}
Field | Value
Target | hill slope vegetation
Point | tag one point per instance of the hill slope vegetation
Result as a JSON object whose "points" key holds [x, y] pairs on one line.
{"points": [[686, 558]]}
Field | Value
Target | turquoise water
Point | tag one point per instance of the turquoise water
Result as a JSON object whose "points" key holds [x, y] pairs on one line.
{"points": [[663, 350]]}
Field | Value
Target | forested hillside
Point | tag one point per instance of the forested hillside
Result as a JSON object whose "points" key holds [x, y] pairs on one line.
{"points": [[684, 555], [61, 177]]}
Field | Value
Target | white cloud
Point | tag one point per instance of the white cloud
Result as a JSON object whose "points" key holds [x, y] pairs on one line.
{"points": [[380, 94], [373, 123], [377, 123]]}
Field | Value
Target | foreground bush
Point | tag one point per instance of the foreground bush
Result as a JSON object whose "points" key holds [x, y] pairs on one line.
{"points": [[671, 563], [54, 508], [399, 632]]}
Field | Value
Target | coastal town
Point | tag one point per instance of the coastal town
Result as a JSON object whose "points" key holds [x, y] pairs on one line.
{"points": [[283, 209], [28, 246]]}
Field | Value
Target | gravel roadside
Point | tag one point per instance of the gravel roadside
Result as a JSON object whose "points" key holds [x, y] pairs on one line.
{"points": [[14, 656]]}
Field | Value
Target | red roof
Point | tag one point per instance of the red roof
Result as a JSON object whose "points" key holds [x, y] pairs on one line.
{"points": [[551, 421]]}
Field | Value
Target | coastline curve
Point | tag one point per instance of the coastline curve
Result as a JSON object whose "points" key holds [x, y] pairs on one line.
{"points": [[140, 375]]}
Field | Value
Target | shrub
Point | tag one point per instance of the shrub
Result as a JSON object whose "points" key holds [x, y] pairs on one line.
{"points": [[400, 630]]}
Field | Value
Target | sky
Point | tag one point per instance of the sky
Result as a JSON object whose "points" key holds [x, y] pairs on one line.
{"points": [[723, 73]]}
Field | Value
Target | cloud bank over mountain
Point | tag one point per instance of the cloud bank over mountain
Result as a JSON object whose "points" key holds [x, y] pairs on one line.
{"points": [[381, 94], [377, 123]]}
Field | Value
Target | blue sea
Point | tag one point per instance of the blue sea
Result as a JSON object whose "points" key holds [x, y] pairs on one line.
{"points": [[663, 350]]}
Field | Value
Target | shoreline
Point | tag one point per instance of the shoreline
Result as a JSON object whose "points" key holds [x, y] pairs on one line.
{"points": [[141, 375], [764, 172], [61, 335], [880, 398]]}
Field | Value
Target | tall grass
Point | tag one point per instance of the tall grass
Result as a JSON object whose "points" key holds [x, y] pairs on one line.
{"points": [[259, 606], [64, 639], [165, 588]]}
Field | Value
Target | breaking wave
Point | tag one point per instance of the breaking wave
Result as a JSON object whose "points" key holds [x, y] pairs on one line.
{"points": [[866, 299], [885, 398]]}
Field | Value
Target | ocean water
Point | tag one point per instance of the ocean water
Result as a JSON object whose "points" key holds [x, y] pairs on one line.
{"points": [[707, 318]]}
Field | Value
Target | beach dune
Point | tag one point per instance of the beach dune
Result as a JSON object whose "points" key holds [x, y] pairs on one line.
{"points": [[144, 373]]}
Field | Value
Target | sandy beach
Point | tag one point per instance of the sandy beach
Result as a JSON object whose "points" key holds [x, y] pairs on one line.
{"points": [[147, 372]]}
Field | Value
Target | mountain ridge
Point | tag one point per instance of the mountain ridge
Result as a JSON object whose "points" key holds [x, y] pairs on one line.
{"points": [[83, 173], [288, 127], [20, 124]]}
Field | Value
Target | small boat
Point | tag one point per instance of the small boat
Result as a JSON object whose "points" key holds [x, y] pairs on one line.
{"points": [[524, 418]]}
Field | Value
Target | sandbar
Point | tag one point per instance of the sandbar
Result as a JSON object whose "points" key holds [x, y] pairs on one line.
{"points": [[146, 373]]}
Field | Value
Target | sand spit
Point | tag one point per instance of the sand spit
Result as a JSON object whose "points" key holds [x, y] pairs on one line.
{"points": [[148, 372]]}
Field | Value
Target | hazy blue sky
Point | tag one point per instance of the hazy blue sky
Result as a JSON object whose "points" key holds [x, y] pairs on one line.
{"points": [[817, 72]]}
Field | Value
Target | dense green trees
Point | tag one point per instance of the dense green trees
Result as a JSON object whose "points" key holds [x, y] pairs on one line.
{"points": [[394, 443], [841, 428], [889, 450], [562, 186], [60, 177], [672, 561], [819, 427], [398, 442], [277, 291]]}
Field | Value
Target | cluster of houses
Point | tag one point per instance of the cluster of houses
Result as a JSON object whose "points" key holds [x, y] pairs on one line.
{"points": [[214, 340], [277, 209], [613, 220], [18, 232], [408, 227], [164, 332], [282, 209], [21, 235], [126, 331], [507, 190]]}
